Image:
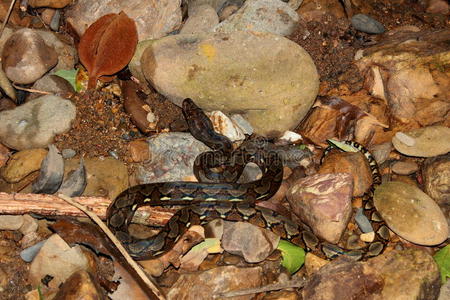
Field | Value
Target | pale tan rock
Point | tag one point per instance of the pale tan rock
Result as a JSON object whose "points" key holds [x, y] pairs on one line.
{"points": [[202, 19], [254, 73], [105, 177], [10, 222], [313, 263], [428, 141], [23, 163], [203, 284], [154, 18], [411, 213], [58, 260]]}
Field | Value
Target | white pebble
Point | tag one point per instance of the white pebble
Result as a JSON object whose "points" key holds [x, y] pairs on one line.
{"points": [[291, 136], [367, 237], [405, 139]]}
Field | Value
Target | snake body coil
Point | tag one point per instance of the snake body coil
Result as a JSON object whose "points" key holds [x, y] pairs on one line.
{"points": [[226, 199]]}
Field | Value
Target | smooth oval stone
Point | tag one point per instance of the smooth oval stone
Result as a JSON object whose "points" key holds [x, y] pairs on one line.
{"points": [[429, 141], [271, 80], [411, 213], [367, 24]]}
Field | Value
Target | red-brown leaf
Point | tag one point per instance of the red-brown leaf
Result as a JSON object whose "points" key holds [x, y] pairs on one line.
{"points": [[107, 45]]}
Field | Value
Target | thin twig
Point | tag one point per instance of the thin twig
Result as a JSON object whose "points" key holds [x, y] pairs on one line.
{"points": [[31, 90], [11, 6], [295, 283], [119, 246]]}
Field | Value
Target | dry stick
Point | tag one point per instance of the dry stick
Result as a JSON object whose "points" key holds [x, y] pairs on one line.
{"points": [[7, 16], [31, 90], [119, 246], [295, 283]]}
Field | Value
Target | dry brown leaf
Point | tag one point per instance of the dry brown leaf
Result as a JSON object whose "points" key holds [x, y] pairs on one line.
{"points": [[107, 46]]}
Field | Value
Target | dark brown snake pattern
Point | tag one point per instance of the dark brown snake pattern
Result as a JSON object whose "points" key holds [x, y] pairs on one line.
{"points": [[227, 200]]}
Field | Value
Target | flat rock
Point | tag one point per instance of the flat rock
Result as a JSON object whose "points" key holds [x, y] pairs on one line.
{"points": [[105, 177], [253, 73], [411, 213], [26, 57], [11, 222], [405, 167], [203, 284], [35, 123], [173, 156], [23, 163], [323, 202], [427, 142], [252, 243], [201, 19], [57, 259], [153, 18], [262, 15]]}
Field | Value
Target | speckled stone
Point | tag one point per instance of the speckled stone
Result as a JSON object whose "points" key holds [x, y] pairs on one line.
{"points": [[411, 213]]}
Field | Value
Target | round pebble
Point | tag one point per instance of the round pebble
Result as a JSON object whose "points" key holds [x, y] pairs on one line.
{"points": [[405, 167], [411, 213], [68, 153], [367, 24]]}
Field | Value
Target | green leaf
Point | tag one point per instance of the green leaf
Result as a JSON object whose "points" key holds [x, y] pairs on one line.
{"points": [[442, 258], [293, 256], [212, 245], [71, 77], [343, 146]]}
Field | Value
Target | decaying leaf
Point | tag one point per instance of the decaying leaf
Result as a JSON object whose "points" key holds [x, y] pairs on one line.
{"points": [[107, 45]]}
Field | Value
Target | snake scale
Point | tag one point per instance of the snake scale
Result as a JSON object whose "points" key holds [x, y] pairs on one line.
{"points": [[219, 196]]}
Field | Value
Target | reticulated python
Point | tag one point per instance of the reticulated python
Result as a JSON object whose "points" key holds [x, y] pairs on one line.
{"points": [[226, 199]]}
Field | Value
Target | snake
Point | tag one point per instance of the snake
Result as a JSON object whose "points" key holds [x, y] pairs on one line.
{"points": [[219, 195]]}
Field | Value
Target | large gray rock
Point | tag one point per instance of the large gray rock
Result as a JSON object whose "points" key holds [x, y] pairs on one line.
{"points": [[34, 124], [272, 16], [270, 79], [154, 18]]}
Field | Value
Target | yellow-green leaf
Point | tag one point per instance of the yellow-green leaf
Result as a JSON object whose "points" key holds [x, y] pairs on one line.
{"points": [[71, 77], [293, 256], [442, 258]]}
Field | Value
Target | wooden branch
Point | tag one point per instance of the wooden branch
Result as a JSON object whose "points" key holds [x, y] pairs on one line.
{"points": [[49, 205]]}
